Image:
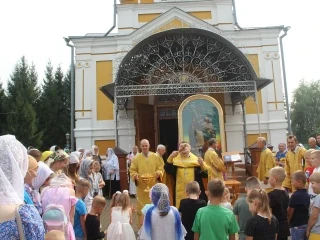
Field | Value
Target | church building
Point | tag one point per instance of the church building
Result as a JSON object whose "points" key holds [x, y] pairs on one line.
{"points": [[137, 83]]}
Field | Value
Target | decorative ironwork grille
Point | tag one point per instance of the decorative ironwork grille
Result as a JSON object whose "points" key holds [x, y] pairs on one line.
{"points": [[182, 57], [184, 62]]}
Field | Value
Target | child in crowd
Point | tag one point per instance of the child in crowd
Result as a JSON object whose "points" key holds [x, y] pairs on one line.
{"points": [[86, 172], [226, 199], [215, 222], [309, 168], [189, 207], [315, 160], [162, 221], [114, 200], [241, 207], [313, 229], [93, 219], [279, 201], [122, 214], [79, 226], [298, 211], [98, 177], [263, 225]]}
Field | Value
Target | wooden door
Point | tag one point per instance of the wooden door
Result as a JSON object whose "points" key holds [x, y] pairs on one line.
{"points": [[145, 125]]}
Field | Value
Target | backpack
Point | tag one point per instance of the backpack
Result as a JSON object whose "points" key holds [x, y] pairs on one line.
{"points": [[55, 218]]}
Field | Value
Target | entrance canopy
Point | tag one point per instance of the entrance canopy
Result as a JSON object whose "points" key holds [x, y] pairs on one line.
{"points": [[184, 61]]}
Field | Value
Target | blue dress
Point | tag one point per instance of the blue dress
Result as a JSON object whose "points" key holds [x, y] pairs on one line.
{"points": [[32, 225]]}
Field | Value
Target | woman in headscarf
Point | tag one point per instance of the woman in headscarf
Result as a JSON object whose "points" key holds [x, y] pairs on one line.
{"points": [[43, 177], [72, 169], [61, 193], [87, 154], [30, 197], [13, 168], [162, 216], [58, 161], [54, 148], [111, 173], [86, 172]]}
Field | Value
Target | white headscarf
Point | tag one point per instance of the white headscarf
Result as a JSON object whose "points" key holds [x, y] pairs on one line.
{"points": [[73, 158], [85, 154], [84, 168], [110, 153], [61, 181], [43, 173], [92, 150], [53, 148], [13, 168]]}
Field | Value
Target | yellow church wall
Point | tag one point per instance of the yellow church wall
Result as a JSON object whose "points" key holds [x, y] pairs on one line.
{"points": [[147, 17], [175, 23], [104, 145], [128, 1], [203, 15], [146, 1], [103, 77], [250, 103], [252, 138]]}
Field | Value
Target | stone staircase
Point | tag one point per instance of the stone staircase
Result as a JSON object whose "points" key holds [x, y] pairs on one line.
{"points": [[240, 175]]}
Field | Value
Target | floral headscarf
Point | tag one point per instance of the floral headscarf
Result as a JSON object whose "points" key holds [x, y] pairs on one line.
{"points": [[57, 156], [160, 198]]}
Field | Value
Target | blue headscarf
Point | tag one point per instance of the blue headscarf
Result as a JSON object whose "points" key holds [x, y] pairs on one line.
{"points": [[160, 199]]}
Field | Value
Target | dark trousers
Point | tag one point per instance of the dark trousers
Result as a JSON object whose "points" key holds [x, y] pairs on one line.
{"points": [[111, 187]]}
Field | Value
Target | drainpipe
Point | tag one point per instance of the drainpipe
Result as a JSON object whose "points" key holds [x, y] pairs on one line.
{"points": [[235, 15], [285, 30], [114, 17]]}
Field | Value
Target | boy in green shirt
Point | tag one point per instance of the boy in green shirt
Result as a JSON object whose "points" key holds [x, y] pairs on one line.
{"points": [[215, 222]]}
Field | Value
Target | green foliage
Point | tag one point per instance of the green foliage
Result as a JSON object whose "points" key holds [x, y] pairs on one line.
{"points": [[22, 94], [2, 111], [305, 110], [52, 107]]}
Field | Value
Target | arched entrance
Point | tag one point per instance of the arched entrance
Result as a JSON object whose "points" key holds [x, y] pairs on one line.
{"points": [[180, 63]]}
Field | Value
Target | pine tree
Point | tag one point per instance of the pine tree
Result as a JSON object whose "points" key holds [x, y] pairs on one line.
{"points": [[22, 95], [2, 111], [63, 112], [47, 108], [54, 109]]}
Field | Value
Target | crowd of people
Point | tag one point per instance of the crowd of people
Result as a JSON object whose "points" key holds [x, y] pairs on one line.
{"points": [[57, 195]]}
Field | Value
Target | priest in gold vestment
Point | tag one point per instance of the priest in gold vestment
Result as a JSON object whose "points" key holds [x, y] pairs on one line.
{"points": [[267, 160], [215, 164], [187, 167], [145, 162], [294, 161]]}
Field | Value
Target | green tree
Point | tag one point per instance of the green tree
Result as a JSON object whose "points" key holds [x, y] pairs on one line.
{"points": [[22, 94], [2, 111], [305, 110], [53, 108], [46, 108]]}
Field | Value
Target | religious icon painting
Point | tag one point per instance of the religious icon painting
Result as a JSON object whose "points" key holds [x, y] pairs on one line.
{"points": [[200, 117]]}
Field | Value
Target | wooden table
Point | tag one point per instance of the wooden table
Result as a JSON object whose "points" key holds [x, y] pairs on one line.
{"points": [[231, 163], [235, 189]]}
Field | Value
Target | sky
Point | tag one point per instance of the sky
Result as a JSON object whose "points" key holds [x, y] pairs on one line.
{"points": [[35, 29]]}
